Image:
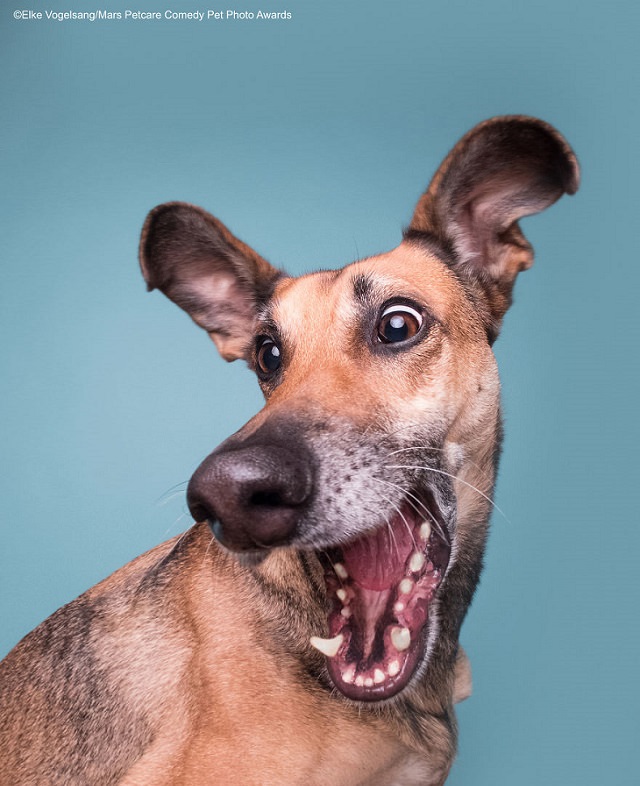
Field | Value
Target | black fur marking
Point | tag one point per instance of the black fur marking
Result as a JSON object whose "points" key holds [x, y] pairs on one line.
{"points": [[441, 247], [157, 575], [304, 562]]}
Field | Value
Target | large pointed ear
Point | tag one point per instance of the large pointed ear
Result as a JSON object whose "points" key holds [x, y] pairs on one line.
{"points": [[217, 279], [502, 170]]}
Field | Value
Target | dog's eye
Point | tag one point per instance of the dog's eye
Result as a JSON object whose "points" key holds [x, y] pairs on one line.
{"points": [[269, 356], [398, 323]]}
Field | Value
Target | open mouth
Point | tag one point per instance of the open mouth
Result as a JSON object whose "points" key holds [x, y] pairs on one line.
{"points": [[381, 589]]}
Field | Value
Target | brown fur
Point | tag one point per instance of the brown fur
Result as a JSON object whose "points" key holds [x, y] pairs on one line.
{"points": [[188, 666]]}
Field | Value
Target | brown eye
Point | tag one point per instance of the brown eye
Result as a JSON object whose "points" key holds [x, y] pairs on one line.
{"points": [[398, 323], [269, 356]]}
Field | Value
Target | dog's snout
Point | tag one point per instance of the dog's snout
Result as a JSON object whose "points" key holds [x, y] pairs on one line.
{"points": [[252, 495]]}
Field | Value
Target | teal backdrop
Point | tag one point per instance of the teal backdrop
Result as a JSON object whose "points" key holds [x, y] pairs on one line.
{"points": [[312, 139]]}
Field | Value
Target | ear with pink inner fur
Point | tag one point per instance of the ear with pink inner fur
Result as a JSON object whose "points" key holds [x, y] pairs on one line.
{"points": [[502, 170], [217, 279]]}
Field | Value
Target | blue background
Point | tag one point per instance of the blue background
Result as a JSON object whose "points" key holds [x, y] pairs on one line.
{"points": [[312, 140]]}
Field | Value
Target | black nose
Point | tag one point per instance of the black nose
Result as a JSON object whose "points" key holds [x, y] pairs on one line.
{"points": [[252, 495]]}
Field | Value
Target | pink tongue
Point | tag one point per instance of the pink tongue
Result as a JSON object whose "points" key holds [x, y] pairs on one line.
{"points": [[377, 561]]}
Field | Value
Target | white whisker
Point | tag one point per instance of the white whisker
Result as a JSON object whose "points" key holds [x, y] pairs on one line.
{"points": [[171, 492], [166, 498], [416, 501], [206, 553], [390, 528], [173, 526], [439, 450], [448, 475]]}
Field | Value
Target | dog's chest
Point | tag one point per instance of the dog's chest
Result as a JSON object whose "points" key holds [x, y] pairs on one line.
{"points": [[294, 740], [284, 749], [270, 731]]}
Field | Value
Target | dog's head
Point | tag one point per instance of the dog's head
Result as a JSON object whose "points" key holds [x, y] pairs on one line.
{"points": [[377, 446]]}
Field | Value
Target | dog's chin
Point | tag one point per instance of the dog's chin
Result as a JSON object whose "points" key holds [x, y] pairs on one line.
{"points": [[381, 590]]}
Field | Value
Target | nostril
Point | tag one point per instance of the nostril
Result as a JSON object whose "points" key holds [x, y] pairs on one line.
{"points": [[266, 499], [199, 511], [253, 495]]}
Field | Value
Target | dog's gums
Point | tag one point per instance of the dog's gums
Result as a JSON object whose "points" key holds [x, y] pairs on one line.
{"points": [[380, 589]]}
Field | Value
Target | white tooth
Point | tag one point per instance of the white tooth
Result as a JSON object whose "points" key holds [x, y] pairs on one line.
{"points": [[400, 638], [416, 562], [406, 585], [394, 668], [346, 612], [328, 647], [425, 530], [398, 607], [359, 680], [342, 594], [340, 570], [378, 676], [349, 674], [368, 682]]}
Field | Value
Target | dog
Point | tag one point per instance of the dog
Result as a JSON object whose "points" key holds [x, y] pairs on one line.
{"points": [[305, 630]]}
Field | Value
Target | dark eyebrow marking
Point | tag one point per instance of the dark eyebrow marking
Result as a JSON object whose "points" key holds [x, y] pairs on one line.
{"points": [[363, 288], [267, 326], [264, 317]]}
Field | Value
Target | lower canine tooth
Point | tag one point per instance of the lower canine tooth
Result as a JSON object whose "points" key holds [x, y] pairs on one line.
{"points": [[328, 647], [425, 530], [378, 676], [394, 668], [340, 570], [400, 638]]}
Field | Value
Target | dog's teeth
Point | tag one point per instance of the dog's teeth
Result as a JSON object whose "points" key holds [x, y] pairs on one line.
{"points": [[398, 607], [425, 530], [378, 676], [346, 612], [359, 680], [406, 585], [348, 675], [368, 682], [400, 638], [394, 668], [328, 647], [416, 562], [342, 594], [341, 571]]}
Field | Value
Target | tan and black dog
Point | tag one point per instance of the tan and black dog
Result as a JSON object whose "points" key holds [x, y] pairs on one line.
{"points": [[314, 640]]}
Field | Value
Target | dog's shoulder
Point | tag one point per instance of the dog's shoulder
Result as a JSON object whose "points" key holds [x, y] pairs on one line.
{"points": [[65, 682]]}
